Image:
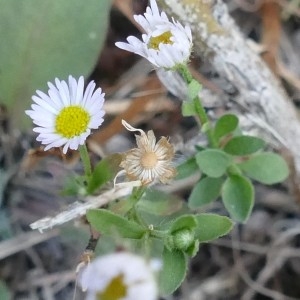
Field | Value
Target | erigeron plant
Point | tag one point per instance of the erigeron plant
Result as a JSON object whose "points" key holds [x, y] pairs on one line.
{"points": [[146, 218]]}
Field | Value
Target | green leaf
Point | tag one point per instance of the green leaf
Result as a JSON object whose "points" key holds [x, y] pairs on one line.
{"points": [[193, 249], [194, 88], [213, 162], [109, 223], [184, 222], [188, 109], [206, 190], [162, 222], [173, 271], [6, 227], [267, 167], [104, 171], [181, 233], [211, 227], [159, 203], [225, 125], [238, 197], [4, 292], [188, 168], [73, 186], [44, 40], [244, 145]]}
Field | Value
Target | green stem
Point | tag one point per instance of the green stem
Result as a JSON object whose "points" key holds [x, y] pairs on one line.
{"points": [[158, 233], [85, 160], [136, 195], [199, 109], [133, 199]]}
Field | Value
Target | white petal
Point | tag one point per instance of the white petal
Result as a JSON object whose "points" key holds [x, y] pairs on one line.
{"points": [[61, 95]]}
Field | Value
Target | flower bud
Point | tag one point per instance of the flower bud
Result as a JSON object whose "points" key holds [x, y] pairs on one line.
{"points": [[181, 239]]}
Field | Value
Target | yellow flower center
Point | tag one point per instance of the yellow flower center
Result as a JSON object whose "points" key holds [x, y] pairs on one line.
{"points": [[149, 160], [72, 121], [115, 290], [164, 38]]}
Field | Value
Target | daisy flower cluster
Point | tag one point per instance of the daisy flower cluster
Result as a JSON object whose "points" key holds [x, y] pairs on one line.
{"points": [[120, 276], [67, 114], [165, 44]]}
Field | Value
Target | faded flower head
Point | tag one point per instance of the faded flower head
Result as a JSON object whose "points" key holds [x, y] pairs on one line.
{"points": [[165, 44], [150, 161], [67, 114], [120, 276]]}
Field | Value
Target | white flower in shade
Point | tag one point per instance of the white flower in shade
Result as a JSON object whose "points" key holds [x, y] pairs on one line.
{"points": [[120, 276], [150, 161], [67, 114], [165, 44]]}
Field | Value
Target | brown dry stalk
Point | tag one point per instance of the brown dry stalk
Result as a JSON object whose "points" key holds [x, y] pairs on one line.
{"points": [[271, 29]]}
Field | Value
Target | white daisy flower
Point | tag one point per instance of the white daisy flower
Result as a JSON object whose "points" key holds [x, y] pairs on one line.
{"points": [[120, 276], [165, 44], [67, 114], [150, 161]]}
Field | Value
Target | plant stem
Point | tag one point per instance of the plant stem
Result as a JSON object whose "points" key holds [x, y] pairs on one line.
{"points": [[160, 234], [136, 195], [85, 160], [199, 109]]}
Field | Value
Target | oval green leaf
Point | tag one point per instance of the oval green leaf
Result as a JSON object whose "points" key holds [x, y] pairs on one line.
{"points": [[211, 227], [267, 168], [206, 190], [173, 271], [184, 222], [109, 223], [238, 197], [5, 293], [159, 203], [244, 145], [225, 125], [44, 40], [213, 162], [187, 168]]}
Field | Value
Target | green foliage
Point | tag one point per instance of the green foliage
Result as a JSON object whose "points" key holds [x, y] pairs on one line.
{"points": [[104, 171], [194, 88], [181, 240], [74, 185], [159, 203], [173, 272], [6, 228], [238, 197], [213, 162], [205, 191], [4, 177], [183, 222], [188, 109], [211, 227], [181, 235], [267, 168], [186, 233], [47, 39], [225, 125], [238, 156], [244, 145], [4, 291], [187, 168], [109, 223]]}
